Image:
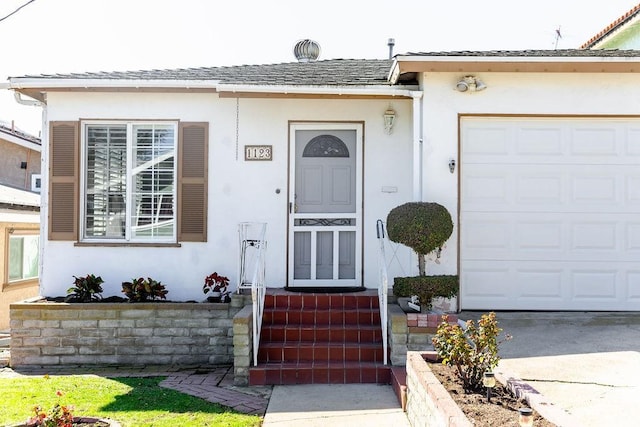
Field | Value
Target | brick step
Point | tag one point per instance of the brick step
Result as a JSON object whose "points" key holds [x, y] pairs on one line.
{"points": [[300, 316], [319, 373], [321, 333], [322, 301], [320, 352], [399, 384]]}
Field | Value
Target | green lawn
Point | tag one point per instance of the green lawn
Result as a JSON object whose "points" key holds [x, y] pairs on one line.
{"points": [[133, 402]]}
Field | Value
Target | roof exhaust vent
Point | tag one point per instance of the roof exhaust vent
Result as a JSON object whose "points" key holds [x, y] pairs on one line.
{"points": [[306, 50], [391, 43]]}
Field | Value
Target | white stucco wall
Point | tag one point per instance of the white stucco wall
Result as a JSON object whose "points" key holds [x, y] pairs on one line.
{"points": [[238, 190], [507, 93]]}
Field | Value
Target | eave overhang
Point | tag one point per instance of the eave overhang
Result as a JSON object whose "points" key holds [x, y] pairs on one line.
{"points": [[37, 88], [510, 64]]}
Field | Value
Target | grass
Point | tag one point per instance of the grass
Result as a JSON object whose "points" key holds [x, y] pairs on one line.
{"points": [[134, 402]]}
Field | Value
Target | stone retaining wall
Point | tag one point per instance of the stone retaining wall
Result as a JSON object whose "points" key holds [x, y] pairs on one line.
{"points": [[161, 333], [411, 332], [428, 402]]}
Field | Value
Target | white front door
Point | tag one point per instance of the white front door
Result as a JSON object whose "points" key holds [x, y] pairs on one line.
{"points": [[325, 210]]}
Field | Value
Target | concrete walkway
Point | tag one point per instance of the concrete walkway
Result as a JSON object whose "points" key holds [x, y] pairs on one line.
{"points": [[334, 405]]}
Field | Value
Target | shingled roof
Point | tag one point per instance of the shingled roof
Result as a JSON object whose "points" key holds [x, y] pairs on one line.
{"points": [[335, 72]]}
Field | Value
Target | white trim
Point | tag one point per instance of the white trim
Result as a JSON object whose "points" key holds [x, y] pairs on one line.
{"points": [[46, 83], [53, 83], [518, 59]]}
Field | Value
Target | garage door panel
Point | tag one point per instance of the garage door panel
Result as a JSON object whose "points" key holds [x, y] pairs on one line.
{"points": [[554, 237], [549, 213], [599, 284], [540, 286], [539, 141]]}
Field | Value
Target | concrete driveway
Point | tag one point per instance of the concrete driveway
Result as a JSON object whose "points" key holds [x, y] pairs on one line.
{"points": [[587, 363]]}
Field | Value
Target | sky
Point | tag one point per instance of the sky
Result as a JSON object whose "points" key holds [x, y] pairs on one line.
{"points": [[62, 36]]}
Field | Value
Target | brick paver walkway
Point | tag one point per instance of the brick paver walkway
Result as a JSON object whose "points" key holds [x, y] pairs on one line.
{"points": [[211, 383]]}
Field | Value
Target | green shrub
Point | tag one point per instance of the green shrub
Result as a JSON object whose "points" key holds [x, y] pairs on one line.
{"points": [[422, 226], [472, 351], [140, 290], [85, 289], [426, 288]]}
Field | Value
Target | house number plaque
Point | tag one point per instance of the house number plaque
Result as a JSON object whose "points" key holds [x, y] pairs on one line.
{"points": [[258, 152]]}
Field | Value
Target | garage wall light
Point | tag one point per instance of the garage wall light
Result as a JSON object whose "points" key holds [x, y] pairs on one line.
{"points": [[470, 84]]}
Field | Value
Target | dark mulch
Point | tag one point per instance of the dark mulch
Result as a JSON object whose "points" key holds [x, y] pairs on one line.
{"points": [[501, 411]]}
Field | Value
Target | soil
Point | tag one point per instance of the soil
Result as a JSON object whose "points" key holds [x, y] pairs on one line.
{"points": [[501, 411]]}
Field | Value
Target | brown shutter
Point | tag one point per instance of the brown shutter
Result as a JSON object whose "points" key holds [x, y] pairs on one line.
{"points": [[192, 181], [63, 180]]}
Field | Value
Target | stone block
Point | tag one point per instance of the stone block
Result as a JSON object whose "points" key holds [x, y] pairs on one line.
{"points": [[38, 324], [40, 341], [70, 324], [155, 323], [136, 314], [97, 314], [19, 333], [241, 361], [24, 314], [172, 332], [58, 351], [116, 323], [240, 340], [60, 314]]}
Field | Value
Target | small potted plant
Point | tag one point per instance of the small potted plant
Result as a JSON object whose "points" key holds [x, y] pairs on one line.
{"points": [[218, 286]]}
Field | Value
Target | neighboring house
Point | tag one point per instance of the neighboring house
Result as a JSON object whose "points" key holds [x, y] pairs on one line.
{"points": [[534, 153], [623, 33], [19, 247], [19, 158], [19, 216]]}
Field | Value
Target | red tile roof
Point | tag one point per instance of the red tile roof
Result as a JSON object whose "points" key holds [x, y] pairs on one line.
{"points": [[612, 27]]}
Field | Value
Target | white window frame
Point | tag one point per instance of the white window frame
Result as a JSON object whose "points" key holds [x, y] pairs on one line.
{"points": [[36, 182], [128, 238], [20, 233]]}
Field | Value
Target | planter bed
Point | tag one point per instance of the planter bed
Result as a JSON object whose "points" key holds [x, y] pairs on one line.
{"points": [[429, 403], [159, 333]]}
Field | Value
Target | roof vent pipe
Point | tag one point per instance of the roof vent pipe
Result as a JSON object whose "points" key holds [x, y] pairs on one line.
{"points": [[391, 43], [306, 50]]}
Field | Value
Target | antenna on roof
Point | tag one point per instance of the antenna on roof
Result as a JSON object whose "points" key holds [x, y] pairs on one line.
{"points": [[558, 37], [391, 43]]}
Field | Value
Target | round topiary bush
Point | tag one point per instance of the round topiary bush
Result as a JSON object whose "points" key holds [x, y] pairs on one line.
{"points": [[422, 226]]}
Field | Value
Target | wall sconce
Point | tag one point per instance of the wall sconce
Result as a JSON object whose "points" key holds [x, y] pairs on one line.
{"points": [[470, 84], [525, 419], [489, 381], [452, 165], [389, 119]]}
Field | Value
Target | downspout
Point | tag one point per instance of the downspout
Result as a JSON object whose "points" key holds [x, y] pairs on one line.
{"points": [[44, 179], [417, 145]]}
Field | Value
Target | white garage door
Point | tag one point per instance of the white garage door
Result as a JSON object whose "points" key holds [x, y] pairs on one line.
{"points": [[550, 214]]}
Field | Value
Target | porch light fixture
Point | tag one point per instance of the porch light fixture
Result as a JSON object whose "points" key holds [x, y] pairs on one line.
{"points": [[470, 84], [525, 419], [489, 381], [389, 119]]}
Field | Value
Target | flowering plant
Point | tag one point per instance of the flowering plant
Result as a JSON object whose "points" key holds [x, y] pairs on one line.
{"points": [[218, 286], [59, 416]]}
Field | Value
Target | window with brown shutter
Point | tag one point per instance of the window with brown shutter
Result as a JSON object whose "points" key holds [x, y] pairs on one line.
{"points": [[192, 181], [63, 181]]}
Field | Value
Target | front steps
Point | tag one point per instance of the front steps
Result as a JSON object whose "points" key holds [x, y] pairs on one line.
{"points": [[320, 338]]}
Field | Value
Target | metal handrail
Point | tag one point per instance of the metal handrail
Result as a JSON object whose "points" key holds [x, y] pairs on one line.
{"points": [[383, 288], [258, 292]]}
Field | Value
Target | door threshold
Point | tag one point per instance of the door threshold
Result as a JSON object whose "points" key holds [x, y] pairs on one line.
{"points": [[325, 289]]}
